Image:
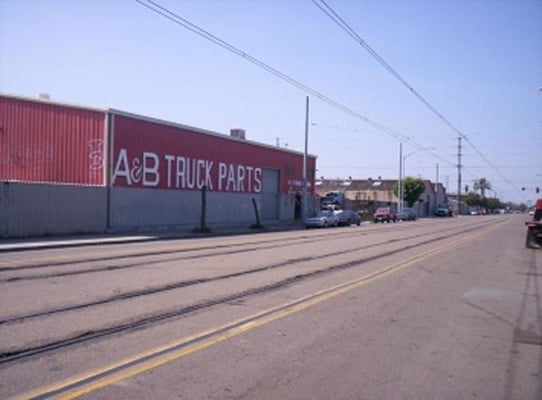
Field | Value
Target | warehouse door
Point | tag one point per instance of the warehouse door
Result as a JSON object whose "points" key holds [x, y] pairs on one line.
{"points": [[270, 194]]}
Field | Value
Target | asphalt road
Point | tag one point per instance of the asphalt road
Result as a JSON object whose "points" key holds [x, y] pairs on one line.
{"points": [[433, 309]]}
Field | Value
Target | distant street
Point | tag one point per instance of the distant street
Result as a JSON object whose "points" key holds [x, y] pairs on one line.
{"points": [[445, 308]]}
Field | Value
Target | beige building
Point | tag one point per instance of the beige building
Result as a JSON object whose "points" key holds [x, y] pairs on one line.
{"points": [[369, 194]]}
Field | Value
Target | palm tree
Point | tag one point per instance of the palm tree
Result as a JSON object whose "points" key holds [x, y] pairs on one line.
{"points": [[482, 185]]}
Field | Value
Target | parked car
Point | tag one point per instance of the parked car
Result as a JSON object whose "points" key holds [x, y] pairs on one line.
{"points": [[348, 217], [443, 212], [323, 219], [356, 218], [478, 211], [407, 214], [384, 214]]}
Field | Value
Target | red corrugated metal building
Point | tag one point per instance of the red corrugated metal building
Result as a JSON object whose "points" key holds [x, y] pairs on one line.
{"points": [[147, 172], [50, 143]]}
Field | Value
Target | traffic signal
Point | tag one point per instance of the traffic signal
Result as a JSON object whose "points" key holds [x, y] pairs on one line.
{"points": [[537, 190], [522, 189]]}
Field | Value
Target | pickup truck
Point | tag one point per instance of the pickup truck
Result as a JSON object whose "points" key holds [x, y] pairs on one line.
{"points": [[384, 214], [534, 228]]}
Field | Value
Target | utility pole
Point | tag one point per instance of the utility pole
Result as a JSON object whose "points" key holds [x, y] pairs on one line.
{"points": [[459, 175], [400, 185], [437, 197], [304, 203]]}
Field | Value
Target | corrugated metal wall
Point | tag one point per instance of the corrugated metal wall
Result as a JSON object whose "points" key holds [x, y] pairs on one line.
{"points": [[135, 136], [143, 209], [29, 209], [44, 142], [270, 195], [54, 178], [155, 183]]}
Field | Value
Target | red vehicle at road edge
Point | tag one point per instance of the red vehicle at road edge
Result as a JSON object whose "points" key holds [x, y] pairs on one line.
{"points": [[534, 228]]}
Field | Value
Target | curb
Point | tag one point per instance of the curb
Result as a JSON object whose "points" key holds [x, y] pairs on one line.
{"points": [[49, 243]]}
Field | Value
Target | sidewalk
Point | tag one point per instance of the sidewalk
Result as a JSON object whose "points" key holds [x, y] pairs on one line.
{"points": [[62, 241]]}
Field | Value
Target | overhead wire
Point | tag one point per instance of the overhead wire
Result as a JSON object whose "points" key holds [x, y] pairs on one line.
{"points": [[335, 17], [170, 15], [424, 149]]}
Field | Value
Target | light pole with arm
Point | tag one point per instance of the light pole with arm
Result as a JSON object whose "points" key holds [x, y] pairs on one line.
{"points": [[400, 185]]}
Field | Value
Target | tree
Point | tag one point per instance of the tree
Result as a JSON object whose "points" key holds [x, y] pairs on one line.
{"points": [[494, 204], [473, 199], [482, 185], [413, 188]]}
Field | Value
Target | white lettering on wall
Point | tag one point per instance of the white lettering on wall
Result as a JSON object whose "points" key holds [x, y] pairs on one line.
{"points": [[200, 182], [258, 180], [249, 176], [185, 173], [208, 170], [151, 163], [240, 178], [121, 168], [222, 173], [181, 164], [169, 159], [231, 179]]}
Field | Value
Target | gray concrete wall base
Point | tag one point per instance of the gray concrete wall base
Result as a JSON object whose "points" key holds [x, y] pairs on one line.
{"points": [[287, 207], [147, 208], [28, 209]]}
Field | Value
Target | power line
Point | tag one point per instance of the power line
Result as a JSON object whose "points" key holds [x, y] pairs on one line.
{"points": [[177, 19], [338, 128], [168, 14], [505, 166], [335, 17], [352, 33], [365, 167]]}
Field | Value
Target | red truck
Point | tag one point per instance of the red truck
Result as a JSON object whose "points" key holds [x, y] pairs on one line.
{"points": [[534, 228], [384, 214]]}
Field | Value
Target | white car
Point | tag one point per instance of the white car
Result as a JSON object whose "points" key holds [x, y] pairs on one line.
{"points": [[323, 219]]}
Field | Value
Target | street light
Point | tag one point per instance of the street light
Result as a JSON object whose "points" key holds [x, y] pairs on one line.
{"points": [[412, 153], [403, 175]]}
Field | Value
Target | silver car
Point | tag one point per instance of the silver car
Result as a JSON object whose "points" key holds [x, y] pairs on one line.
{"points": [[406, 214], [323, 219], [348, 217]]}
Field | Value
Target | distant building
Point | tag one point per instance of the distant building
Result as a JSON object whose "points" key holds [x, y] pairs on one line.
{"points": [[452, 200], [369, 194]]}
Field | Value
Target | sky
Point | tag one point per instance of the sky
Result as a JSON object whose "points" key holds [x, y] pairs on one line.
{"points": [[478, 63]]}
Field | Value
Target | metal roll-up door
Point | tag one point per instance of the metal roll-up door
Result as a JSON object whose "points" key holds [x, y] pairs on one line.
{"points": [[270, 194]]}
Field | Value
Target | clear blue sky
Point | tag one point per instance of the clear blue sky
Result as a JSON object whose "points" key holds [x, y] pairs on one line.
{"points": [[478, 62]]}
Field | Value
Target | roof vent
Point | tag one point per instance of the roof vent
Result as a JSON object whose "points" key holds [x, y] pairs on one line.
{"points": [[238, 133], [44, 96]]}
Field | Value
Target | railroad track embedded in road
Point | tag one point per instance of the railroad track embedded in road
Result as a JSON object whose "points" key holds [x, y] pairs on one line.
{"points": [[160, 316], [175, 250]]}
